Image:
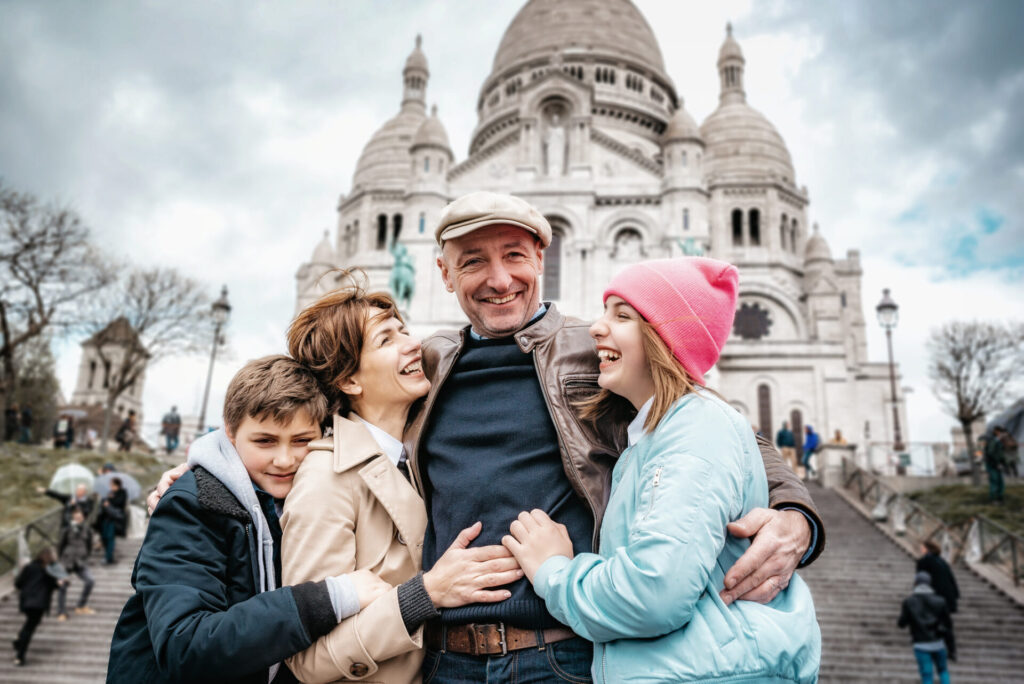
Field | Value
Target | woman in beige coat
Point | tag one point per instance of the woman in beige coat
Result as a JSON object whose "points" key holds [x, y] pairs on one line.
{"points": [[352, 507]]}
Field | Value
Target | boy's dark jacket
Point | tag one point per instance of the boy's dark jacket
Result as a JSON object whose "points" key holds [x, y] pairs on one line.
{"points": [[35, 587], [197, 614]]}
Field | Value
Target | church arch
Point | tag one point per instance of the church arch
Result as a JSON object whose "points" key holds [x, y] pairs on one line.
{"points": [[754, 223], [553, 257], [382, 231], [779, 298], [626, 218], [737, 227]]}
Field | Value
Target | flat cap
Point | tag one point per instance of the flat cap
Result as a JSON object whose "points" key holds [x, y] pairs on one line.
{"points": [[480, 209]]}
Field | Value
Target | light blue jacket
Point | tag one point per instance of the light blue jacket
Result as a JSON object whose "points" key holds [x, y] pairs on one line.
{"points": [[649, 601]]}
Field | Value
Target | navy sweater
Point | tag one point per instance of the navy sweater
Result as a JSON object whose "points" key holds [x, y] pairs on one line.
{"points": [[490, 452]]}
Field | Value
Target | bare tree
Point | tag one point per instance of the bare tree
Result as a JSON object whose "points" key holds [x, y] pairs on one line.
{"points": [[973, 368], [147, 316], [47, 264]]}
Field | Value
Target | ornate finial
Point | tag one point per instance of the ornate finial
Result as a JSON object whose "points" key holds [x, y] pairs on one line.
{"points": [[433, 110], [327, 233], [728, 28], [815, 226], [419, 41]]}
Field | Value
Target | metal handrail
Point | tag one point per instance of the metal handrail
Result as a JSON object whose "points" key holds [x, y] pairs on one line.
{"points": [[38, 526]]}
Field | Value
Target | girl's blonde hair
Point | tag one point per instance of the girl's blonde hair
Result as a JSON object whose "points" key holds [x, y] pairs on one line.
{"points": [[671, 382]]}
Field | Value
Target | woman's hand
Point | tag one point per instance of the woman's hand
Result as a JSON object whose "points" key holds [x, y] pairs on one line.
{"points": [[535, 538], [463, 575], [368, 587]]}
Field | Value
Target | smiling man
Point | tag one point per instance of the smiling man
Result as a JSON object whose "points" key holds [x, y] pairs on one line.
{"points": [[499, 433]]}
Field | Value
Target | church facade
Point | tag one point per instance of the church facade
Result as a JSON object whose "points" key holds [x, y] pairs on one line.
{"points": [[580, 117]]}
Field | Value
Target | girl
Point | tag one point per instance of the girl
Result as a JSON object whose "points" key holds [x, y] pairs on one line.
{"points": [[35, 584], [650, 599]]}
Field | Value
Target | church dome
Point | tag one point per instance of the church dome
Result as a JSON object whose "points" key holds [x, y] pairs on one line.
{"points": [[741, 143], [730, 48], [816, 249], [385, 162], [681, 127], [544, 27], [324, 253], [417, 59], [431, 132]]}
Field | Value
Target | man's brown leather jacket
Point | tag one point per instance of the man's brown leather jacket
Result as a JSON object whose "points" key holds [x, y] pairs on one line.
{"points": [[567, 367]]}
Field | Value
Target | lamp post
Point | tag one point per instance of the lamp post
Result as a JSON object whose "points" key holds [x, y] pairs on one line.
{"points": [[888, 316], [220, 310]]}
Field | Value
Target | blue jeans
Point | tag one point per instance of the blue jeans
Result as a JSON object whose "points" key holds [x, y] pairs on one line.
{"points": [[806, 461], [562, 661], [171, 442], [925, 661], [109, 535]]}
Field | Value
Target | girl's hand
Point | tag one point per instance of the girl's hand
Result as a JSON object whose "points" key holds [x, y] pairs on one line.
{"points": [[463, 575], [535, 538], [368, 586]]}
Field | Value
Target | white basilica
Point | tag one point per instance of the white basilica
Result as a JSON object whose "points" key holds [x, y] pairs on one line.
{"points": [[580, 117]]}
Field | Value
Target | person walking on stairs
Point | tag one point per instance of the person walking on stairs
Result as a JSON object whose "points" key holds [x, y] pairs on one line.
{"points": [[931, 629], [995, 461], [35, 584], [74, 549], [943, 581]]}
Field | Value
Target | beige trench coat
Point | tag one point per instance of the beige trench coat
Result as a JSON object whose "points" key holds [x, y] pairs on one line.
{"points": [[351, 509]]}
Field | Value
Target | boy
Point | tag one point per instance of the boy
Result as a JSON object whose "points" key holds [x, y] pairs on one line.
{"points": [[73, 552], [206, 606]]}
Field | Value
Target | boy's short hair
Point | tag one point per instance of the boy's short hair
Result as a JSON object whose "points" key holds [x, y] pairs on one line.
{"points": [[275, 387], [327, 336]]}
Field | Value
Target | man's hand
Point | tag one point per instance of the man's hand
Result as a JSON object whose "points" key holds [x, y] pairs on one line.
{"points": [[780, 540], [464, 575], [368, 587], [166, 480], [535, 538]]}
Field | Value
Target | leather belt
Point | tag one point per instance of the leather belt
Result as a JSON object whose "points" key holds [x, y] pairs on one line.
{"points": [[489, 639]]}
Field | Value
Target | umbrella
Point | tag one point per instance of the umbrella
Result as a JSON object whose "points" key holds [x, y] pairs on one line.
{"points": [[70, 476], [128, 483]]}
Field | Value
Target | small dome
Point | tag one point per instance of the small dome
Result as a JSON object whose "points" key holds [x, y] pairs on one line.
{"points": [[681, 126], [741, 142], [324, 253], [816, 249], [432, 132], [416, 59], [385, 162], [730, 48]]}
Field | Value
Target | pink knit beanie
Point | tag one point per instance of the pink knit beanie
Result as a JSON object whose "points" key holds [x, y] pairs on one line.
{"points": [[690, 301]]}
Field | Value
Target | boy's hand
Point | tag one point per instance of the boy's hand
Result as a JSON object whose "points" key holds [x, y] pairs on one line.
{"points": [[535, 538], [368, 586], [166, 480], [463, 575]]}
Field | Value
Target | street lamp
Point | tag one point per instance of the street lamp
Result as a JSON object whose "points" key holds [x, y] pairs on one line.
{"points": [[220, 310], [888, 316]]}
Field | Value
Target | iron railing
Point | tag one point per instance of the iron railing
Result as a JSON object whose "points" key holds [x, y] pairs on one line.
{"points": [[978, 539], [28, 539]]}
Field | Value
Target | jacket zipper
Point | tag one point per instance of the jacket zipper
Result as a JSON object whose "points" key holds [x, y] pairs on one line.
{"points": [[604, 663], [578, 484], [655, 481]]}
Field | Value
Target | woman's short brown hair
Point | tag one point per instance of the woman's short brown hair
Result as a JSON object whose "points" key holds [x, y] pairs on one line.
{"points": [[275, 387], [327, 336], [671, 381]]}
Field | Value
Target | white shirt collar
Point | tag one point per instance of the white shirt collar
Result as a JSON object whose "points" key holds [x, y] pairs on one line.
{"points": [[636, 429], [391, 446]]}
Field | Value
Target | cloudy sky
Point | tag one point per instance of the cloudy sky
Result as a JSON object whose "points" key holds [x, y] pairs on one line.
{"points": [[216, 138]]}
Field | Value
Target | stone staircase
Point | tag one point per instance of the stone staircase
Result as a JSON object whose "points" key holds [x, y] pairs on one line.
{"points": [[76, 650], [858, 585]]}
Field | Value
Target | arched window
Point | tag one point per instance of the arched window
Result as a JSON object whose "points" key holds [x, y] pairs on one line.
{"points": [[92, 373], [106, 374], [552, 287], [796, 424], [755, 227], [382, 231], [628, 245], [737, 227], [782, 232], [686, 219], [355, 237], [426, 165], [423, 222], [764, 409], [396, 228], [794, 236]]}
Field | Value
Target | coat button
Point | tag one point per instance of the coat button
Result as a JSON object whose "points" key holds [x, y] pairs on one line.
{"points": [[358, 669]]}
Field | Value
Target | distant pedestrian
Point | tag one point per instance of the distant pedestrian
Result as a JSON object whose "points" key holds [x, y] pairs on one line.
{"points": [[64, 432], [73, 551], [113, 518], [786, 441], [11, 423], [995, 461], [943, 581], [82, 499], [35, 584], [127, 432], [170, 426], [1010, 447], [26, 425], [811, 443], [838, 438], [931, 629]]}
